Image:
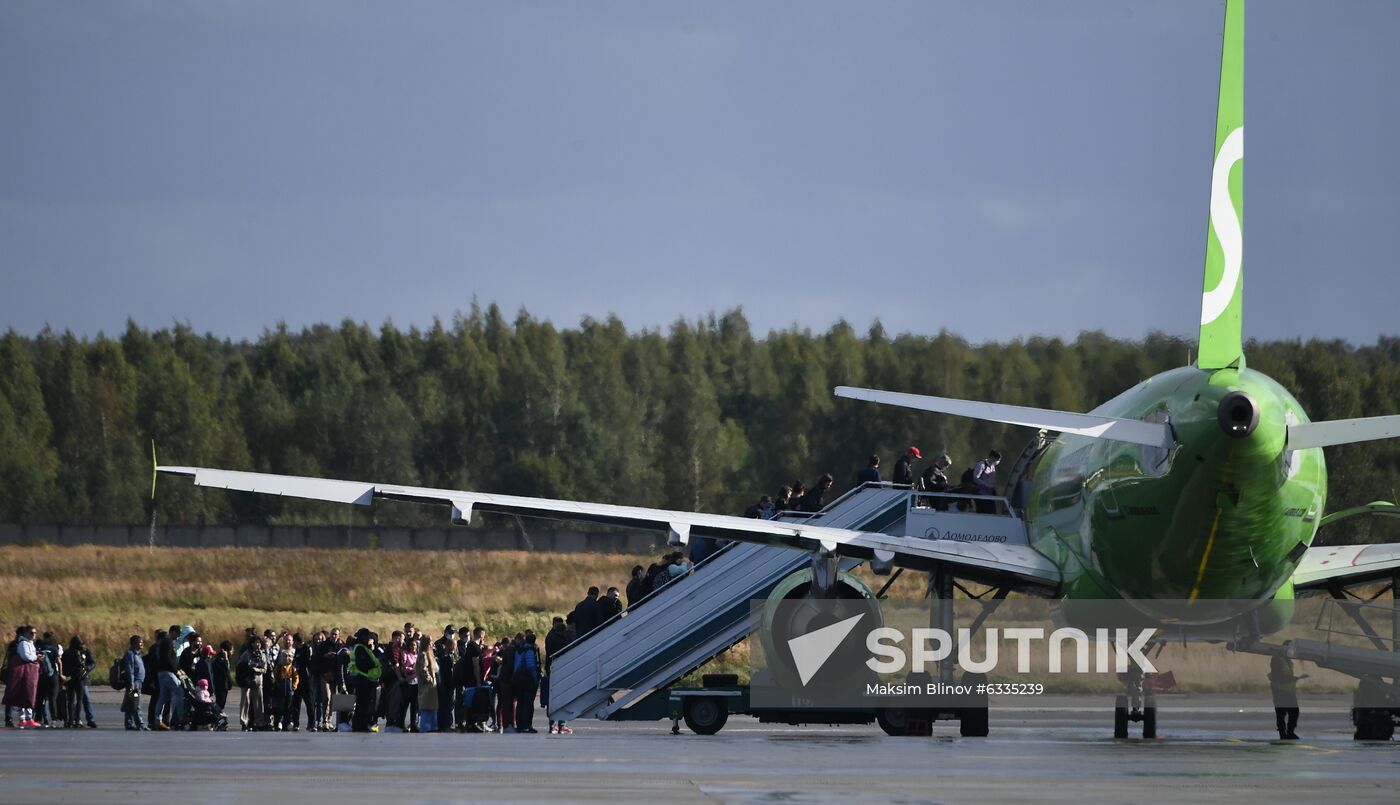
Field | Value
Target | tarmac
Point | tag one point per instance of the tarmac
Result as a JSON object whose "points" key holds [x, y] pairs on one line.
{"points": [[1211, 749]]}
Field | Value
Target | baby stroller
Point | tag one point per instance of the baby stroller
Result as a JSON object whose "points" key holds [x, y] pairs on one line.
{"points": [[201, 715]]}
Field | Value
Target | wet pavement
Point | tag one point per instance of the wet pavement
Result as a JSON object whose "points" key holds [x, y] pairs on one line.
{"points": [[1211, 749]]}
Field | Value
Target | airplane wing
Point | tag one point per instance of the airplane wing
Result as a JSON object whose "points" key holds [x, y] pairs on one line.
{"points": [[990, 563], [1346, 565]]}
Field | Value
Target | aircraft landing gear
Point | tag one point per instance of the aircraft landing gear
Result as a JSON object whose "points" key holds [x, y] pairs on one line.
{"points": [[1372, 723], [1136, 704]]}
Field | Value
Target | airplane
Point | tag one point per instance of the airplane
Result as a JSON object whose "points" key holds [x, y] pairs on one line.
{"points": [[1201, 485]]}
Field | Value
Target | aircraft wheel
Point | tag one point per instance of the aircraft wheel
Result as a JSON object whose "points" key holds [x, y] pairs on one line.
{"points": [[1372, 724], [705, 715], [1149, 722], [1120, 717]]}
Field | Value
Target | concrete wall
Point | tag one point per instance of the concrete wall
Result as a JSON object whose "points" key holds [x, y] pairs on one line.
{"points": [[563, 540]]}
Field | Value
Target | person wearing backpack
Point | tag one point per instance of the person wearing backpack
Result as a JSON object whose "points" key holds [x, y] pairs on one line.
{"points": [[78, 663], [50, 680], [133, 668], [525, 682]]}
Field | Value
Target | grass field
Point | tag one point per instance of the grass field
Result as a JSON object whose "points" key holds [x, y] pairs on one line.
{"points": [[107, 594]]}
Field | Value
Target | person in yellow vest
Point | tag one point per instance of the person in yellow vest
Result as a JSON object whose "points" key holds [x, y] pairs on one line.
{"points": [[362, 673]]}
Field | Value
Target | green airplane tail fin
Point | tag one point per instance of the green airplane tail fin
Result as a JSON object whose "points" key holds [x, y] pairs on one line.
{"points": [[1221, 343]]}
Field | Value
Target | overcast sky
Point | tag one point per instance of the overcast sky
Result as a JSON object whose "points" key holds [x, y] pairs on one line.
{"points": [[998, 168]]}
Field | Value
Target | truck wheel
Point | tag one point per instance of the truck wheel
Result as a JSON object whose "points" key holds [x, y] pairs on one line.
{"points": [[705, 715], [893, 720], [973, 722]]}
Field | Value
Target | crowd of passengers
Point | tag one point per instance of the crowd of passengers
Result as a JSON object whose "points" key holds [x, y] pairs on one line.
{"points": [[322, 681], [978, 480]]}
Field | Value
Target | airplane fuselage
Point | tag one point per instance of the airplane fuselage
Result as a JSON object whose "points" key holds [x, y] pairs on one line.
{"points": [[1224, 514]]}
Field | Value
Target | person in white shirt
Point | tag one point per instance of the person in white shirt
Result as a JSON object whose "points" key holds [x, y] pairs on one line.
{"points": [[984, 477]]}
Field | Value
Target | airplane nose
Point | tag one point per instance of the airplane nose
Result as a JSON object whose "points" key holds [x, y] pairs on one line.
{"points": [[1238, 414]]}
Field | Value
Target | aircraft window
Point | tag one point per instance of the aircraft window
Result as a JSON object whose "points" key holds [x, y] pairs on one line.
{"points": [[1154, 459]]}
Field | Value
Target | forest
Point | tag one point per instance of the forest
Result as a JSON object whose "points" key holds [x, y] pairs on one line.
{"points": [[704, 416]]}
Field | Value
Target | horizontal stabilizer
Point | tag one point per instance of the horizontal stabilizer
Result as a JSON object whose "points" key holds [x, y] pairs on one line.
{"points": [[1342, 431], [1151, 434]]}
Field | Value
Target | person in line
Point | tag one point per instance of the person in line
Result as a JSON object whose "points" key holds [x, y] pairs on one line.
{"points": [[329, 677], [782, 501], [362, 673], [935, 479], [78, 664], [812, 500], [444, 655], [134, 669], [407, 714], [795, 498], [525, 683], [285, 672], [503, 681], [984, 481], [635, 586], [678, 566], [474, 698], [249, 674], [219, 673], [22, 680], [755, 509], [1283, 685], [305, 659], [609, 606], [152, 686], [904, 467], [392, 659], [554, 642], [870, 474], [426, 673], [51, 680], [586, 612], [192, 660]]}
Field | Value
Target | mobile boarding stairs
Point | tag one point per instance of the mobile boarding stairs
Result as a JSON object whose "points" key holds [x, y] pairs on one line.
{"points": [[686, 623]]}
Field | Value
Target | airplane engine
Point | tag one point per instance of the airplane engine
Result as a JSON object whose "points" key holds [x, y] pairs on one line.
{"points": [[796, 608]]}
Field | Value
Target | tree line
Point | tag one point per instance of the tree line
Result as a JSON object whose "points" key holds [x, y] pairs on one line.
{"points": [[705, 416]]}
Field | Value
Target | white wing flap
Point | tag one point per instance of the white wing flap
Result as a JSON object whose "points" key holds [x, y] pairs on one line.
{"points": [[1346, 564], [991, 560], [1342, 431]]}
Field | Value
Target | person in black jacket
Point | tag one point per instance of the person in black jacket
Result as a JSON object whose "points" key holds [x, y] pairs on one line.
{"points": [[904, 468], [812, 499], [219, 673], [609, 606], [445, 653], [78, 663], [586, 612], [871, 473], [635, 588], [554, 642], [151, 686]]}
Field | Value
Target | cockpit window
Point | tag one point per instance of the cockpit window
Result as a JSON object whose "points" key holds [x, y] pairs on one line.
{"points": [[1155, 459]]}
